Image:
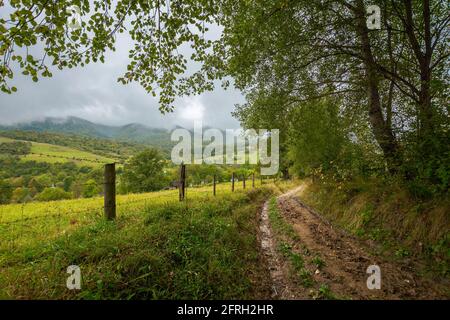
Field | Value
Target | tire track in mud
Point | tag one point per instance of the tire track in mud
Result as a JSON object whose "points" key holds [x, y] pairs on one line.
{"points": [[345, 258], [280, 287]]}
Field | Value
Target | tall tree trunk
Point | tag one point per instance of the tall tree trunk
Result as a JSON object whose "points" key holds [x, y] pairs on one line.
{"points": [[425, 107], [425, 74], [426, 123], [382, 132]]}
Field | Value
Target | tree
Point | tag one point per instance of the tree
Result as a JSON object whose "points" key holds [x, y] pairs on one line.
{"points": [[34, 187], [15, 148], [318, 136], [52, 194], [44, 180], [310, 49], [145, 172], [202, 173], [90, 189], [306, 50], [67, 183], [77, 188], [5, 192], [267, 110], [20, 195]]}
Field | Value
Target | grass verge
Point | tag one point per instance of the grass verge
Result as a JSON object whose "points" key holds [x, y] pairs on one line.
{"points": [[404, 227], [203, 248]]}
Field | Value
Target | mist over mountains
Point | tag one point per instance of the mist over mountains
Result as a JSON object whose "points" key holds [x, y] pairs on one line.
{"points": [[132, 132]]}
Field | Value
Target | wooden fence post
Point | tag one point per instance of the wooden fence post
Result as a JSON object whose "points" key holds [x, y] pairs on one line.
{"points": [[243, 180], [232, 181], [214, 185], [110, 191], [182, 184], [253, 180]]}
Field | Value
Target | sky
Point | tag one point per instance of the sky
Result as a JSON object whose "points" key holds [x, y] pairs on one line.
{"points": [[93, 93]]}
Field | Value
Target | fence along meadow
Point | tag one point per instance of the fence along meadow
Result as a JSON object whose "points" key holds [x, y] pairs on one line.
{"points": [[16, 220]]}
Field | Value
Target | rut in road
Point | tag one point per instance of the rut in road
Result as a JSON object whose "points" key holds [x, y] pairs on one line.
{"points": [[345, 258]]}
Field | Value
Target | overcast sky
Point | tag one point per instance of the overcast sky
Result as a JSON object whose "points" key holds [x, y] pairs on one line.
{"points": [[93, 93]]}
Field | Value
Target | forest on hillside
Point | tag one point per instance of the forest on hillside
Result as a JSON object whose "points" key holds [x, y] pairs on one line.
{"points": [[140, 168], [106, 147]]}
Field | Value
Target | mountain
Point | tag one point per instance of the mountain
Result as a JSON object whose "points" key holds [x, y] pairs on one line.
{"points": [[132, 132]]}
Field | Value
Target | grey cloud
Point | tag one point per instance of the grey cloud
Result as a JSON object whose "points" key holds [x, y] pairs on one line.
{"points": [[93, 93]]}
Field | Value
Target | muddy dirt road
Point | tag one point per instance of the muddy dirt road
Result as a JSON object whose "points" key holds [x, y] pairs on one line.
{"points": [[343, 260]]}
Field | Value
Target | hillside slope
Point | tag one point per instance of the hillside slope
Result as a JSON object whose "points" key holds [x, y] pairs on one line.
{"points": [[133, 132], [45, 152]]}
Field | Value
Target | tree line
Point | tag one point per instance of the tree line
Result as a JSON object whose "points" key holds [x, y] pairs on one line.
{"points": [[148, 170]]}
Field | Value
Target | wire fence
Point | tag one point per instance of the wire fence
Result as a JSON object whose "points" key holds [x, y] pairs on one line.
{"points": [[31, 228], [54, 210]]}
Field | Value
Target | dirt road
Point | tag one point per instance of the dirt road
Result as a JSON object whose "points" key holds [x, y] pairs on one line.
{"points": [[336, 262]]}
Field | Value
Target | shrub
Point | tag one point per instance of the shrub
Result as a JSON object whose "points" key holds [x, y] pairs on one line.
{"points": [[51, 194]]}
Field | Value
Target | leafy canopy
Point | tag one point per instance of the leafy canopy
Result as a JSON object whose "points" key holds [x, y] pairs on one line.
{"points": [[145, 172], [157, 28]]}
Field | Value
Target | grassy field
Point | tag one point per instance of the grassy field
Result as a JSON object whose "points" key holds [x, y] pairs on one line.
{"points": [[203, 248], [44, 152], [4, 139]]}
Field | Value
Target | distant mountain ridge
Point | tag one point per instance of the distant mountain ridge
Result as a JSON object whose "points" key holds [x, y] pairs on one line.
{"points": [[132, 132]]}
